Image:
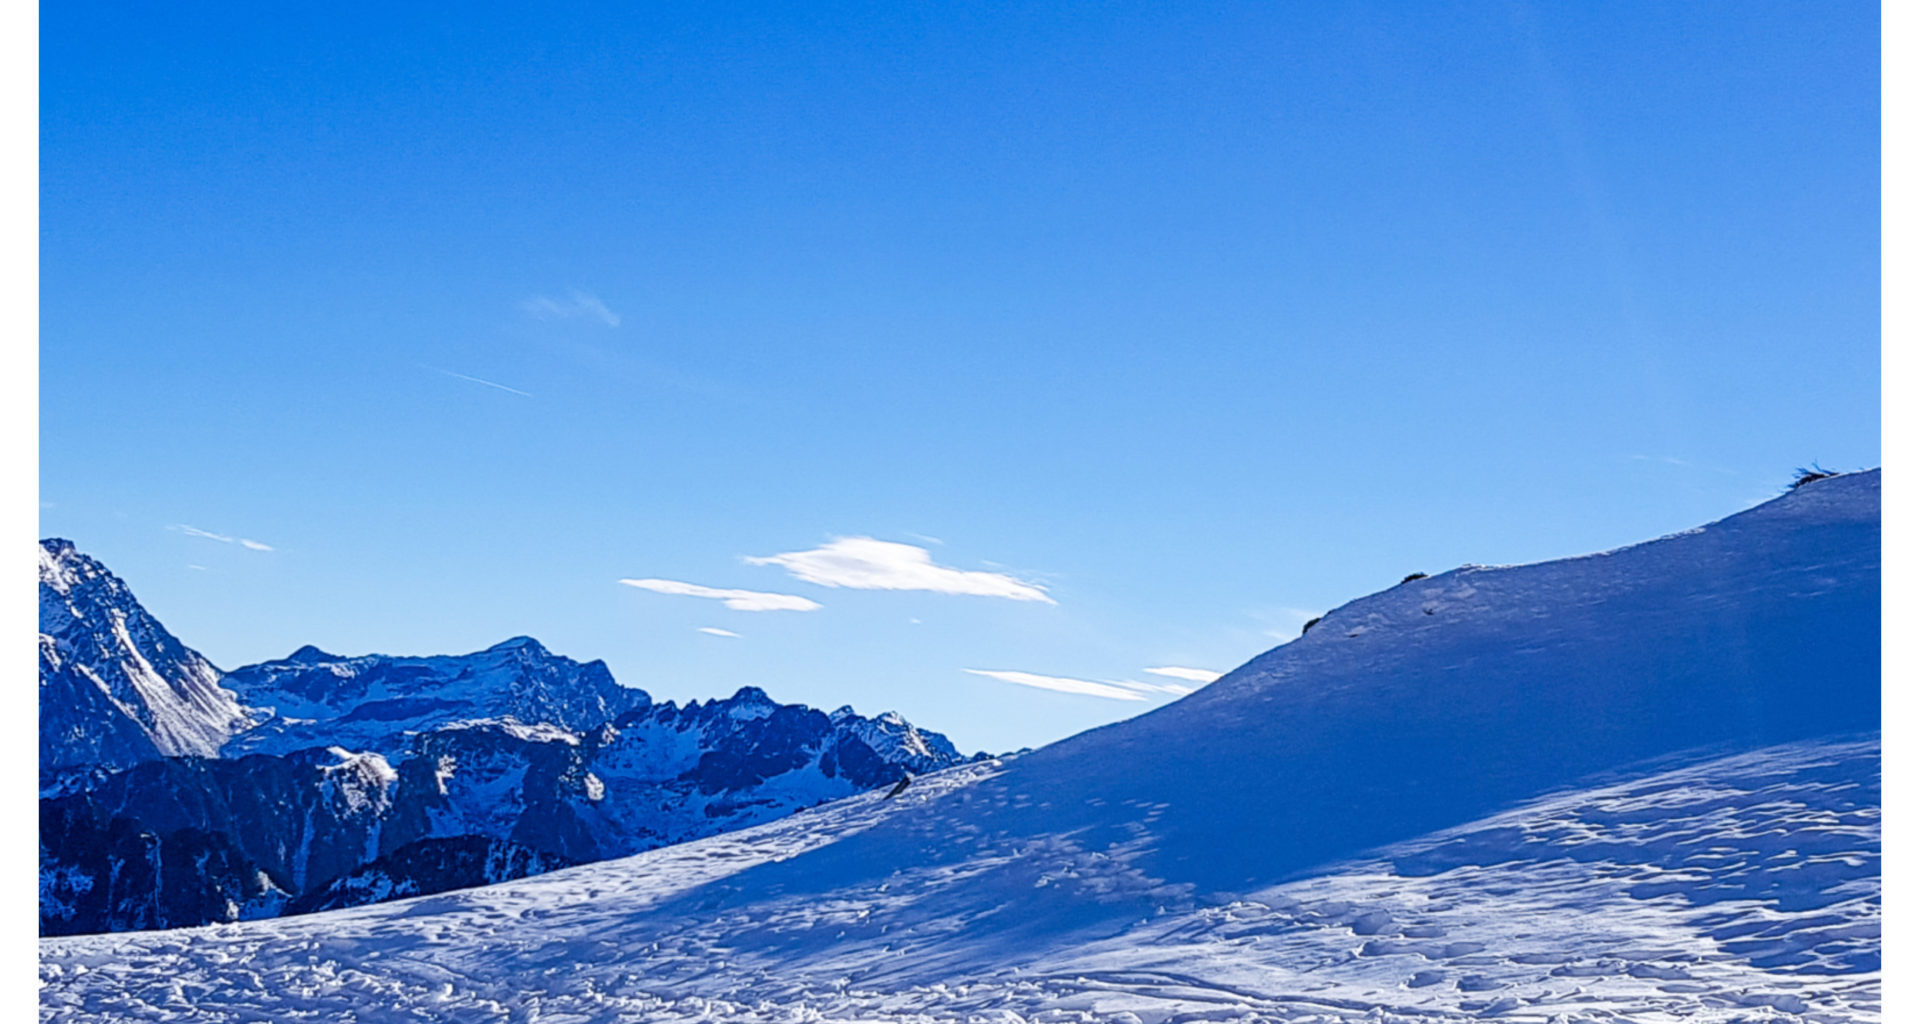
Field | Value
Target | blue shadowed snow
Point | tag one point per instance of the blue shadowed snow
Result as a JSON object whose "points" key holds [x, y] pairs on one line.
{"points": [[1449, 698]]}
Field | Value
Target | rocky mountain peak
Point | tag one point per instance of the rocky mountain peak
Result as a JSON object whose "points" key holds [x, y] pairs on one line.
{"points": [[115, 687]]}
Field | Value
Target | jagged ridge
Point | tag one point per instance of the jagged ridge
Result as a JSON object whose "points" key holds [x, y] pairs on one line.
{"points": [[320, 780], [115, 687]]}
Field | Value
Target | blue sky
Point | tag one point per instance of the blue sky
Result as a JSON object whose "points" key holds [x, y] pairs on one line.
{"points": [[1123, 337]]}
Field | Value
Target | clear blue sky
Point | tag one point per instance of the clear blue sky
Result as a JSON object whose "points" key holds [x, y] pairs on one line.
{"points": [[1195, 319]]}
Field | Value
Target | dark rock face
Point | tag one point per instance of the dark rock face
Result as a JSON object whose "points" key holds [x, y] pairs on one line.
{"points": [[119, 875], [429, 866], [81, 725], [530, 784], [850, 758], [328, 781], [261, 826], [760, 749]]}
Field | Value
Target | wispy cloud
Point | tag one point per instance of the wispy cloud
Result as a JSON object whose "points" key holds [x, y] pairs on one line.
{"points": [[194, 531], [201, 568], [481, 380], [717, 631], [1682, 463], [863, 563], [1192, 675], [1085, 687], [1177, 689], [578, 305], [738, 600]]}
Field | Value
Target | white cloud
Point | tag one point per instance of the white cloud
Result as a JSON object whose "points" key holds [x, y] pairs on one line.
{"points": [[863, 563], [1177, 689], [1191, 675], [578, 305], [738, 600], [717, 631], [1085, 687], [193, 531]]}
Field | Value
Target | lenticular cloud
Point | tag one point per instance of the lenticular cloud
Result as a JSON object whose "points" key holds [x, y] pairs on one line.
{"points": [[863, 563], [1086, 687], [1192, 675], [738, 600]]}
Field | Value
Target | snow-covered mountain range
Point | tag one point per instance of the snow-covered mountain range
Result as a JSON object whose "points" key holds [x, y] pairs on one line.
{"points": [[173, 794], [1638, 785], [377, 703]]}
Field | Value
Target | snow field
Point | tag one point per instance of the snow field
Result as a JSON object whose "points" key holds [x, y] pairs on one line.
{"points": [[1684, 895]]}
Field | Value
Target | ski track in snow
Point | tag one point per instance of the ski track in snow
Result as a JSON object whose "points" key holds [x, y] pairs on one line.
{"points": [[1742, 888]]}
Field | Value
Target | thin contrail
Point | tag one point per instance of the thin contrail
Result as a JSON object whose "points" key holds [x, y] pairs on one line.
{"points": [[482, 380]]}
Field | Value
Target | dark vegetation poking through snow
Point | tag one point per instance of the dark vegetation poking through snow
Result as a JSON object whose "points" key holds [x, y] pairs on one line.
{"points": [[1806, 475]]}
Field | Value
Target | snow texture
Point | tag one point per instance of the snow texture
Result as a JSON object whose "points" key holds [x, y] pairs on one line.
{"points": [[1638, 785], [1741, 889]]}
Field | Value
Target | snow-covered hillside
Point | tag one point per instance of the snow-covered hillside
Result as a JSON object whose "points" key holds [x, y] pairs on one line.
{"points": [[1638, 784], [1744, 889]]}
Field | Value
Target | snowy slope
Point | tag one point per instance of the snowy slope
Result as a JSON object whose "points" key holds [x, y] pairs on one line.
{"points": [[1741, 889], [1640, 783], [115, 687], [1449, 697]]}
